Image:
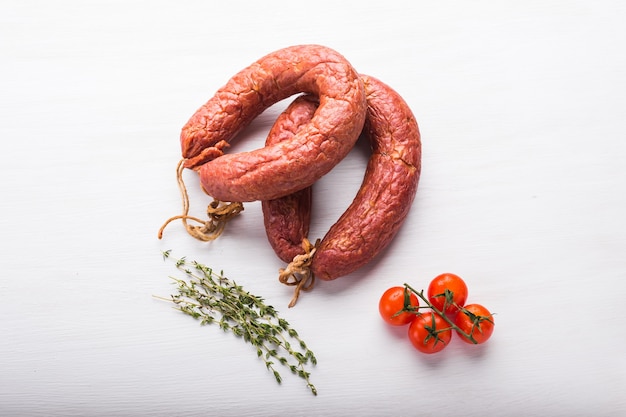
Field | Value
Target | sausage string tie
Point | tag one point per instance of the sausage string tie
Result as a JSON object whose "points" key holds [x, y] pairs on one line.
{"points": [[218, 213], [298, 271]]}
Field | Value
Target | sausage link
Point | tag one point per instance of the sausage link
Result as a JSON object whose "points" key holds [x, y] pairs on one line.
{"points": [[287, 218], [388, 189], [285, 167], [386, 193]]}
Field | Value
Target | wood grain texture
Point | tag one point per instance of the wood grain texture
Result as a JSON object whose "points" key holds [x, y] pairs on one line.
{"points": [[521, 110]]}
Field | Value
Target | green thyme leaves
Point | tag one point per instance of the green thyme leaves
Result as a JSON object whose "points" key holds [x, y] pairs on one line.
{"points": [[212, 298]]}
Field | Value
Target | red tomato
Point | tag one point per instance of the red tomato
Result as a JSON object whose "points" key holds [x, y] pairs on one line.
{"points": [[392, 303], [429, 333], [477, 321], [447, 292]]}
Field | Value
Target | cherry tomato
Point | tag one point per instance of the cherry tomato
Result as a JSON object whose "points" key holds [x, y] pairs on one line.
{"points": [[447, 292], [392, 302], [429, 333], [476, 320]]}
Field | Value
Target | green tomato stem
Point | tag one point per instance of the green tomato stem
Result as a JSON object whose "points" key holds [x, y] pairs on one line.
{"points": [[453, 326]]}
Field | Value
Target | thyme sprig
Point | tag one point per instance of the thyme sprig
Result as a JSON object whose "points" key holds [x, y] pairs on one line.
{"points": [[212, 298]]}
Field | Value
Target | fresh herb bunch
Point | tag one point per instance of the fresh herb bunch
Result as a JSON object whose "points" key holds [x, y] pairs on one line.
{"points": [[214, 299]]}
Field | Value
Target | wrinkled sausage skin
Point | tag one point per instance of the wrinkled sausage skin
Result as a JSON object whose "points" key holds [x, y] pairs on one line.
{"points": [[384, 198], [287, 219], [388, 189], [287, 166]]}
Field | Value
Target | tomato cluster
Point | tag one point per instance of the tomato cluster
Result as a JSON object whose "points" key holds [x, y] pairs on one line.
{"points": [[431, 326]]}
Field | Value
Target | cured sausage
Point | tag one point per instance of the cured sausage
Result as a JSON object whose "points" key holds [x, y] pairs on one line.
{"points": [[287, 219], [384, 198], [389, 186], [285, 167]]}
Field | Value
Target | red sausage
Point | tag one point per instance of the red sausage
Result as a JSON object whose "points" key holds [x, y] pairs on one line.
{"points": [[287, 219], [386, 194], [388, 189], [282, 168]]}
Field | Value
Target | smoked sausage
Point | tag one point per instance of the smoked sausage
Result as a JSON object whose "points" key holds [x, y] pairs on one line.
{"points": [[383, 200], [285, 167], [389, 186], [287, 218]]}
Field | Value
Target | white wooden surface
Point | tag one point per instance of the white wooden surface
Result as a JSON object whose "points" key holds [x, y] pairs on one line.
{"points": [[522, 109]]}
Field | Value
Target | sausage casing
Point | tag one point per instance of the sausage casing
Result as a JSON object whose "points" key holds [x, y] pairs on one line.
{"points": [[282, 168], [287, 218], [384, 199]]}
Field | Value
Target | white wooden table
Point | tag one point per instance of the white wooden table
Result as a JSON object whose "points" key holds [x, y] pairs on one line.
{"points": [[521, 107]]}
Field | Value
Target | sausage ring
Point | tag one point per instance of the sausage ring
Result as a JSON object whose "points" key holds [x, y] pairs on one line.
{"points": [[285, 167], [381, 204]]}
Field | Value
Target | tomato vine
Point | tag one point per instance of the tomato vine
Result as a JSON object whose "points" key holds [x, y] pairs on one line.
{"points": [[438, 314]]}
